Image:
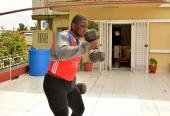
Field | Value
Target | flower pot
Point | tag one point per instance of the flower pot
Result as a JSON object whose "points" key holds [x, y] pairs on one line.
{"points": [[152, 68], [88, 66]]}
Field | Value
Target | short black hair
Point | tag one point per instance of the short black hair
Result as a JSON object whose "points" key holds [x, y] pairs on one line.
{"points": [[78, 18]]}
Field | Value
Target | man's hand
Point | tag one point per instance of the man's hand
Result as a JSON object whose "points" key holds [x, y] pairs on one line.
{"points": [[97, 56], [94, 44]]}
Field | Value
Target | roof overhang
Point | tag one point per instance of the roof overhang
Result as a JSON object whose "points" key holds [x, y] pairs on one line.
{"points": [[45, 17], [65, 6]]}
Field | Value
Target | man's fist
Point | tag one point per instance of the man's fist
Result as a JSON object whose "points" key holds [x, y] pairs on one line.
{"points": [[97, 56]]}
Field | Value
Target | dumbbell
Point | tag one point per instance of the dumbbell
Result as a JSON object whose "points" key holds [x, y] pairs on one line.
{"points": [[82, 87], [96, 55], [91, 35]]}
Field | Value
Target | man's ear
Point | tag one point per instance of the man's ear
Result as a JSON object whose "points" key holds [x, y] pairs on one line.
{"points": [[73, 26]]}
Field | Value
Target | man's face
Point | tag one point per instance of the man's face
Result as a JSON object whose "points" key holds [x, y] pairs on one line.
{"points": [[81, 28]]}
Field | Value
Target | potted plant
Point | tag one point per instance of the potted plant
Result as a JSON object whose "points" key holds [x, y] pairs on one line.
{"points": [[88, 65], [152, 65]]}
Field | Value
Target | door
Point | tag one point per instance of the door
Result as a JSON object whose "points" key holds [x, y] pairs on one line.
{"points": [[105, 30], [139, 49]]}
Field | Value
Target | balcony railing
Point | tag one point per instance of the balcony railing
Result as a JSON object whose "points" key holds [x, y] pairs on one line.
{"points": [[7, 62]]}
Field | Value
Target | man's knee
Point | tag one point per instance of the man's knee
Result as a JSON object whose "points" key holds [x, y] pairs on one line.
{"points": [[61, 112], [79, 111]]}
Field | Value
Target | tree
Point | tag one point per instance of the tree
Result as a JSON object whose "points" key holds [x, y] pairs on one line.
{"points": [[12, 43], [35, 27], [2, 28], [21, 27]]}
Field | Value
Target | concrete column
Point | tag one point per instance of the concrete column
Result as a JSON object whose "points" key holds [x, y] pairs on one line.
{"points": [[50, 23], [39, 24]]}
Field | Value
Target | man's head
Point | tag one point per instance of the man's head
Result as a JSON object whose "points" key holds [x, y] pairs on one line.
{"points": [[79, 25]]}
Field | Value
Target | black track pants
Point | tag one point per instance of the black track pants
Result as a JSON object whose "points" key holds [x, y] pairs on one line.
{"points": [[61, 95]]}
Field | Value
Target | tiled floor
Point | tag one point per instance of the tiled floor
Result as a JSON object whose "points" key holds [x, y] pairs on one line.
{"points": [[115, 93]]}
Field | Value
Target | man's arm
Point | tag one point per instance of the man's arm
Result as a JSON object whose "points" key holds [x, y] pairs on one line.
{"points": [[64, 50]]}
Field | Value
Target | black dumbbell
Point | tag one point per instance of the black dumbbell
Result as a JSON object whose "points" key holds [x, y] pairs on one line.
{"points": [[82, 87], [91, 35], [97, 55]]}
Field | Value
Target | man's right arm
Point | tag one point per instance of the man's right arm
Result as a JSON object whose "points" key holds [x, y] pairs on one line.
{"points": [[63, 50]]}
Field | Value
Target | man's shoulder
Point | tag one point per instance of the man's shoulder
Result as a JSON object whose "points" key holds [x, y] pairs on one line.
{"points": [[63, 33]]}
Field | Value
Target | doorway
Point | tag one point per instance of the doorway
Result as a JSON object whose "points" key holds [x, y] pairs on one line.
{"points": [[121, 46], [130, 51]]}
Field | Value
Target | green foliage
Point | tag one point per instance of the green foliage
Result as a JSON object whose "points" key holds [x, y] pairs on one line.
{"points": [[93, 25], [12, 43], [153, 61], [21, 27]]}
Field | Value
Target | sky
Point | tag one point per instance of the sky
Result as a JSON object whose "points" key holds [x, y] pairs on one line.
{"points": [[11, 21]]}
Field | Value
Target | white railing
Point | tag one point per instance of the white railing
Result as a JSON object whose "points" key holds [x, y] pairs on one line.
{"points": [[7, 62]]}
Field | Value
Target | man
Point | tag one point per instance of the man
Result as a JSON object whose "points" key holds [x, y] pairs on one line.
{"points": [[59, 85]]}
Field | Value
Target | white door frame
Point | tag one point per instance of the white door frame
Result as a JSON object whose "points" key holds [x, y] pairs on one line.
{"points": [[110, 41], [148, 33], [132, 40], [104, 45], [132, 47]]}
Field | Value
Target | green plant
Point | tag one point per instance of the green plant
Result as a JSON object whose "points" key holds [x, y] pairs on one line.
{"points": [[21, 27], [153, 61], [12, 43], [93, 25]]}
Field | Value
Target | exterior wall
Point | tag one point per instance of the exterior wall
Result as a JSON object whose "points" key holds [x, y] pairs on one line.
{"points": [[28, 38], [160, 36], [38, 3], [122, 13], [60, 21], [157, 30], [160, 40], [46, 11], [42, 39]]}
